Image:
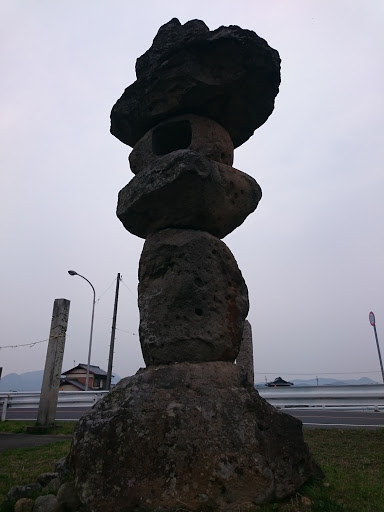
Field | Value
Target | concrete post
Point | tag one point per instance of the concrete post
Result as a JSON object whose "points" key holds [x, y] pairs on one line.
{"points": [[53, 363], [4, 411], [245, 356]]}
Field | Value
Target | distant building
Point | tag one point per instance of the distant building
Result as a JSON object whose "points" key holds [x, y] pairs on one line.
{"points": [[278, 382], [74, 379]]}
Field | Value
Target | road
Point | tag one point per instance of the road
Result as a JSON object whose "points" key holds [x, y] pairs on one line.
{"points": [[62, 413], [10, 441], [320, 418], [310, 417]]}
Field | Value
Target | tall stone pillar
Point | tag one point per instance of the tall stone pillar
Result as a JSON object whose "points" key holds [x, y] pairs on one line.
{"points": [[53, 364], [190, 429], [245, 355]]}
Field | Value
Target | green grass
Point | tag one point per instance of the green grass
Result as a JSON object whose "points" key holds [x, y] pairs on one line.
{"points": [[352, 460], [23, 466], [353, 463], [20, 427]]}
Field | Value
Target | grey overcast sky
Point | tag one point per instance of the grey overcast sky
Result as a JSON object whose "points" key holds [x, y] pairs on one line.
{"points": [[312, 254]]}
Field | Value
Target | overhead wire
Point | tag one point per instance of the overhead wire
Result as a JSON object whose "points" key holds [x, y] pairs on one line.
{"points": [[33, 343], [97, 300], [24, 344], [121, 280], [128, 332]]}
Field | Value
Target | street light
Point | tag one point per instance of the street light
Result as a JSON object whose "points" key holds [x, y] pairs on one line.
{"points": [[73, 273]]}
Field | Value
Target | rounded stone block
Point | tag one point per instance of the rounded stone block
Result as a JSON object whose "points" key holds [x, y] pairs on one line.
{"points": [[190, 434], [196, 133], [192, 299], [229, 74], [67, 497], [24, 505], [47, 503], [186, 190]]}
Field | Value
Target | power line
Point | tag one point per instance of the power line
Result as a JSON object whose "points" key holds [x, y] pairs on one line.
{"points": [[127, 288], [128, 332], [24, 344], [113, 282]]}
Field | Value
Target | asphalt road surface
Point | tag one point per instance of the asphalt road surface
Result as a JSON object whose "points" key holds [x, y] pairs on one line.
{"points": [[338, 418], [10, 441], [311, 417], [62, 413]]}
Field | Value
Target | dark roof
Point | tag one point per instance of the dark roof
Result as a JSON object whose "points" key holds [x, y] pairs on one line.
{"points": [[74, 382], [278, 382], [96, 370]]}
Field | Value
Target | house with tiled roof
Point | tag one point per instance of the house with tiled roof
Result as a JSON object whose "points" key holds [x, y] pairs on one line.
{"points": [[74, 379]]}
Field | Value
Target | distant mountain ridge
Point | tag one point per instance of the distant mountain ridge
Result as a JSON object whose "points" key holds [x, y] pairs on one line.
{"points": [[322, 381], [29, 381], [363, 381]]}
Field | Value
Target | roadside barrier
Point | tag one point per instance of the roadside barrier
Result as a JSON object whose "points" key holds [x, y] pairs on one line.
{"points": [[294, 397], [27, 400], [351, 397]]}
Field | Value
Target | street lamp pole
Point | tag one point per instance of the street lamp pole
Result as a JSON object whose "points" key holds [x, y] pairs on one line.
{"points": [[73, 273]]}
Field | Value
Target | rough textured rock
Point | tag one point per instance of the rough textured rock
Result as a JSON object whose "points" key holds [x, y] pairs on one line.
{"points": [[186, 190], [245, 355], [187, 434], [23, 491], [61, 467], [190, 432], [45, 478], [230, 75], [24, 505], [68, 498], [47, 503], [53, 486], [192, 299], [196, 133]]}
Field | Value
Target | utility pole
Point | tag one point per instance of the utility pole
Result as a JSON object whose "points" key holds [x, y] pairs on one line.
{"points": [[112, 344], [372, 321]]}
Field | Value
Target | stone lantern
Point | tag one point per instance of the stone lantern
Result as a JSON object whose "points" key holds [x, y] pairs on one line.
{"points": [[190, 430]]}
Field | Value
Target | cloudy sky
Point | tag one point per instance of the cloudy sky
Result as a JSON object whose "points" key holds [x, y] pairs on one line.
{"points": [[313, 252]]}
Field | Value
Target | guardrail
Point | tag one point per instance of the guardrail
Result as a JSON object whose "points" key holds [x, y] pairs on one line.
{"points": [[356, 397], [295, 397], [26, 400]]}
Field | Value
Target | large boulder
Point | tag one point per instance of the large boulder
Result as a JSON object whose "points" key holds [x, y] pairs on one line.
{"points": [[67, 498], [24, 505], [45, 478], [230, 75], [23, 491], [47, 503], [186, 190], [192, 299], [191, 435]]}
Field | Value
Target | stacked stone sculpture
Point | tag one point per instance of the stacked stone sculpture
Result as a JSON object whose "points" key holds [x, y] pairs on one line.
{"points": [[190, 431]]}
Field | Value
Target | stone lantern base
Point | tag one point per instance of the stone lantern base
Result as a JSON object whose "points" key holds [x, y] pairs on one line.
{"points": [[187, 436]]}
